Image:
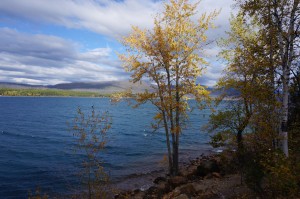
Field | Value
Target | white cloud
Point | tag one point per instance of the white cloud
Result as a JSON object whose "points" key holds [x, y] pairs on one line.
{"points": [[96, 54], [43, 59], [59, 60], [107, 17]]}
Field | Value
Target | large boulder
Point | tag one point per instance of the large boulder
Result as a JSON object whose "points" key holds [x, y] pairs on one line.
{"points": [[177, 181], [207, 166], [153, 193], [190, 172], [188, 189], [216, 175], [200, 187], [159, 179]]}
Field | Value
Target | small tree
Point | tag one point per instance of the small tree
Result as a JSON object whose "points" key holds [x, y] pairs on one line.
{"points": [[90, 134], [169, 56], [246, 73]]}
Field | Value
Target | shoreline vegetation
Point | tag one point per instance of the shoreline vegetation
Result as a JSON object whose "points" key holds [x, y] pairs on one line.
{"points": [[24, 92], [207, 176], [17, 92]]}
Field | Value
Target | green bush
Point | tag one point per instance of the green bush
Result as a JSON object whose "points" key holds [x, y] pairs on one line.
{"points": [[280, 175]]}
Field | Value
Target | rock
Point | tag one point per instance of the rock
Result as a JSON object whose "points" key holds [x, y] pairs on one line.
{"points": [[199, 187], [173, 194], [206, 167], [190, 172], [156, 191], [182, 196], [208, 176], [161, 186], [159, 179], [217, 159], [136, 191], [188, 189], [151, 193], [122, 195], [139, 195], [176, 181], [216, 175], [176, 192]]}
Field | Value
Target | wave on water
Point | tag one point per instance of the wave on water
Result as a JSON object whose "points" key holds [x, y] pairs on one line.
{"points": [[13, 134], [36, 144]]}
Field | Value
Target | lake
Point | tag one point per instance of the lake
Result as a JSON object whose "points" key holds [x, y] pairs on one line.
{"points": [[37, 147]]}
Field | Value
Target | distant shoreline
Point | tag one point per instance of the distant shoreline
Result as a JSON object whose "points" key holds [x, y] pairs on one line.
{"points": [[74, 96], [26, 92], [16, 92], [52, 96]]}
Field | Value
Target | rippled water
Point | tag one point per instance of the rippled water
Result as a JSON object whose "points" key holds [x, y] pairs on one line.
{"points": [[36, 146]]}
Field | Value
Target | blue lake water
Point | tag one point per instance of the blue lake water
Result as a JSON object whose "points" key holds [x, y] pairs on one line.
{"points": [[36, 145]]}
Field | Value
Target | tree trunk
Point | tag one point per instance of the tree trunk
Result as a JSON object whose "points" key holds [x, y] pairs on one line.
{"points": [[240, 152], [286, 45], [175, 159], [240, 141], [284, 121], [165, 120], [177, 123], [283, 129], [168, 143], [171, 119]]}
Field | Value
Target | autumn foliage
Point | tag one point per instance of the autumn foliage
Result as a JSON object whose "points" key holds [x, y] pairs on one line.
{"points": [[169, 56], [262, 57]]}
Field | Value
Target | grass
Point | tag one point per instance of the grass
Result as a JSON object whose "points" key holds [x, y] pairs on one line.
{"points": [[48, 92]]}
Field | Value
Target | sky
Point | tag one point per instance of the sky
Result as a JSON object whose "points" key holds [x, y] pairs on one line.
{"points": [[46, 42]]}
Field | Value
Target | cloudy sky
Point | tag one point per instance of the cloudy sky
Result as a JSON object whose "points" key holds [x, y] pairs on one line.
{"points": [[58, 41]]}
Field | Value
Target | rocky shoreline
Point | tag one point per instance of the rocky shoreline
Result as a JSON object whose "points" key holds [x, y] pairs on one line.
{"points": [[144, 180], [203, 177]]}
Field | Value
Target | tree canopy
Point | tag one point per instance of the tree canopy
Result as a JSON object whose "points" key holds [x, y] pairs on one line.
{"points": [[170, 56]]}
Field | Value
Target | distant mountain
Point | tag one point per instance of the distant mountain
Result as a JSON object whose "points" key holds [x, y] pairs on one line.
{"points": [[107, 87], [18, 85], [83, 85], [102, 87]]}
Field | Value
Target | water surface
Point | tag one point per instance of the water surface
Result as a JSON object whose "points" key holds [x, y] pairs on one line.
{"points": [[36, 145]]}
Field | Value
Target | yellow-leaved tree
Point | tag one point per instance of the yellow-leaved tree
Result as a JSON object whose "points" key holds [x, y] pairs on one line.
{"points": [[281, 23], [169, 56]]}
